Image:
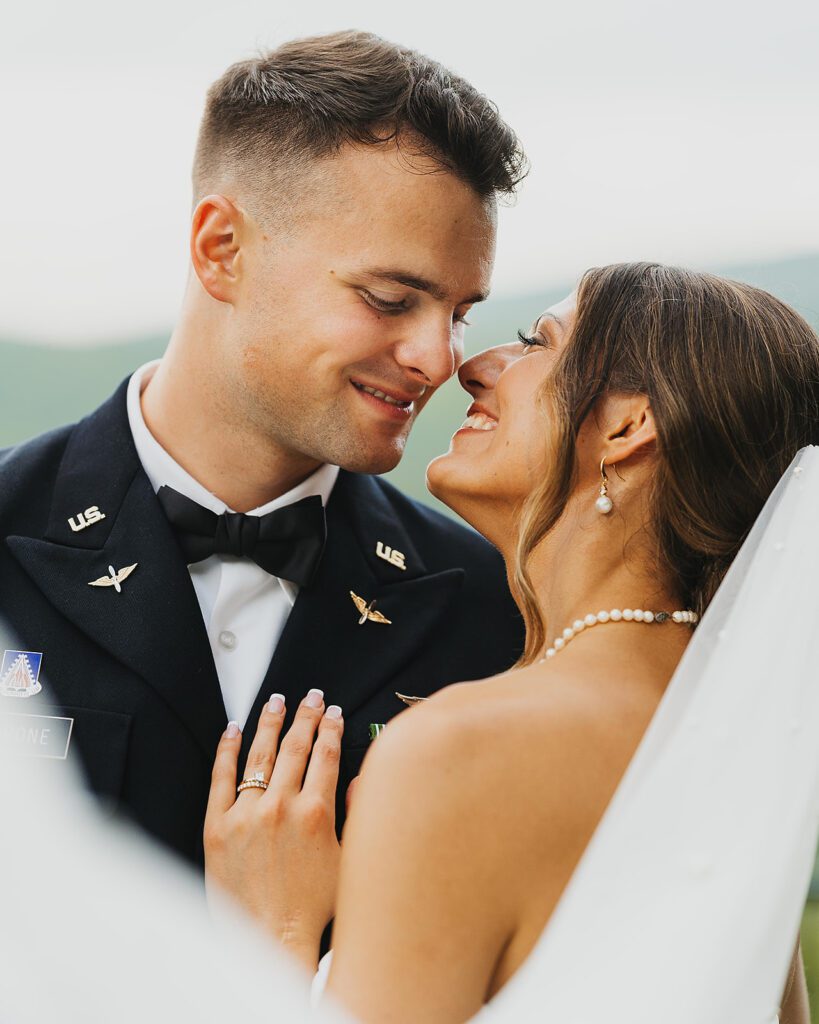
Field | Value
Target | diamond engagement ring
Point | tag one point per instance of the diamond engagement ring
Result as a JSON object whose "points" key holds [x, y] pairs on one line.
{"points": [[255, 781]]}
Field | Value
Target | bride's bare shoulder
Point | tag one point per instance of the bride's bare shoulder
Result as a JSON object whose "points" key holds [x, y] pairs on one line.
{"points": [[534, 701], [493, 787], [529, 736]]}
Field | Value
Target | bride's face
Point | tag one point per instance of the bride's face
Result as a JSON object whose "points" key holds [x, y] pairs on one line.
{"points": [[498, 455]]}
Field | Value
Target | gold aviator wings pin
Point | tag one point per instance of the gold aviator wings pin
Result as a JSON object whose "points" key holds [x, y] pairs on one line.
{"points": [[409, 701], [115, 579], [368, 612]]}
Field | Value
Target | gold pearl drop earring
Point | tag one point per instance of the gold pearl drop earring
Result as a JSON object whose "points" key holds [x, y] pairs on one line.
{"points": [[604, 504]]}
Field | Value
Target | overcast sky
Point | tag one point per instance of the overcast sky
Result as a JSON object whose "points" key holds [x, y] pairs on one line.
{"points": [[684, 132]]}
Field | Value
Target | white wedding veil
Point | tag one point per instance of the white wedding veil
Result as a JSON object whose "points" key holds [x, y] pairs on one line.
{"points": [[685, 907]]}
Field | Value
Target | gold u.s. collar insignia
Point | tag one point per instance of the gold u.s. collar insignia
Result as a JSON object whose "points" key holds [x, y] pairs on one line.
{"points": [[367, 611], [396, 558], [85, 519]]}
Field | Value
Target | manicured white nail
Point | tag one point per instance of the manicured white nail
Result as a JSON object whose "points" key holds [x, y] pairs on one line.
{"points": [[232, 730], [276, 704], [334, 711], [314, 698]]}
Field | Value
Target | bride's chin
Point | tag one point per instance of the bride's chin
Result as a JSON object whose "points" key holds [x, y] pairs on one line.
{"points": [[458, 482], [442, 481], [453, 484]]}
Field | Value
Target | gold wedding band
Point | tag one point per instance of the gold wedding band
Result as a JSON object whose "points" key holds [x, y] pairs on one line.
{"points": [[255, 781]]}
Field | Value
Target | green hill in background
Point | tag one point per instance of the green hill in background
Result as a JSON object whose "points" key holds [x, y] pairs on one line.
{"points": [[44, 386]]}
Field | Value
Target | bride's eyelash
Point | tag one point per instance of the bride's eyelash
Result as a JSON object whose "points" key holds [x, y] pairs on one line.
{"points": [[528, 341]]}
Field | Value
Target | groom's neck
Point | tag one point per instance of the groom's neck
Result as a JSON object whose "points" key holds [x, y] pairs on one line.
{"points": [[188, 408]]}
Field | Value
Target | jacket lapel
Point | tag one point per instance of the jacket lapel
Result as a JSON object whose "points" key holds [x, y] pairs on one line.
{"points": [[153, 625], [323, 643]]}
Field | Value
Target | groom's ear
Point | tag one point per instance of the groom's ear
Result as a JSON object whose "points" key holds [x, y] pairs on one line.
{"points": [[215, 232], [628, 426]]}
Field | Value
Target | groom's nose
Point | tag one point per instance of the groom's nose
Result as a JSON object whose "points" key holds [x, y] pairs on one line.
{"points": [[479, 375], [432, 351]]}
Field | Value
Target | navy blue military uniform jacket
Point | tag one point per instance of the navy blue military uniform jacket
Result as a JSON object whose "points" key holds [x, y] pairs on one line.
{"points": [[134, 670]]}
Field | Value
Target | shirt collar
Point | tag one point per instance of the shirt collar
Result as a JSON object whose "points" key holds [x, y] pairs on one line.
{"points": [[162, 469]]}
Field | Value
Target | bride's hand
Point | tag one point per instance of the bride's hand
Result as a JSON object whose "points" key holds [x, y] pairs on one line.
{"points": [[275, 850]]}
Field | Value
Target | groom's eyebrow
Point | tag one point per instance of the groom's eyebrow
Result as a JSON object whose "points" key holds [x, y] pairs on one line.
{"points": [[421, 284]]}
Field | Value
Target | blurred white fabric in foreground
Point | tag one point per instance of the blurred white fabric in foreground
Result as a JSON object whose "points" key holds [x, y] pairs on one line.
{"points": [[98, 927]]}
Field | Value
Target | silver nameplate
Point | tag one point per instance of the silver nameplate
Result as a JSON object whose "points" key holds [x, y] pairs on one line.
{"points": [[36, 735]]}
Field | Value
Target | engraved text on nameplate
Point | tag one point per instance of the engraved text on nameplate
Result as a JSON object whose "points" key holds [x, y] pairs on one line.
{"points": [[36, 735]]}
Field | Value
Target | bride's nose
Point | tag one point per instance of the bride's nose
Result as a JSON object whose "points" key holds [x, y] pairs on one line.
{"points": [[480, 374]]}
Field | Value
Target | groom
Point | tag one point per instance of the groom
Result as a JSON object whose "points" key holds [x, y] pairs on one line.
{"points": [[192, 546]]}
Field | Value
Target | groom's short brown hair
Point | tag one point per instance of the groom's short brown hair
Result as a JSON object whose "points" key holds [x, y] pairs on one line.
{"points": [[267, 117]]}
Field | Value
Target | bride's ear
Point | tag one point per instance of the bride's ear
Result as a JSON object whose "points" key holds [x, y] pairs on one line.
{"points": [[628, 428]]}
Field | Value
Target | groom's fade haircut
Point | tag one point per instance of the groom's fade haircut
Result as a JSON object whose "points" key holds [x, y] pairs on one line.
{"points": [[266, 119]]}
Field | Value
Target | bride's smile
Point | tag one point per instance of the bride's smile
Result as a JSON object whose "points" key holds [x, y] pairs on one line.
{"points": [[497, 455]]}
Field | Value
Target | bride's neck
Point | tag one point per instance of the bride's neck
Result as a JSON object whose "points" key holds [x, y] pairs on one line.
{"points": [[583, 568]]}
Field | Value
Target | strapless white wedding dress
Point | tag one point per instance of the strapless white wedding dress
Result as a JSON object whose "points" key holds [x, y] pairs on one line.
{"points": [[319, 986]]}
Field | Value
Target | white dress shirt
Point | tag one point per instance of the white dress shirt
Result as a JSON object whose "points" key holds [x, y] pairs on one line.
{"points": [[245, 608]]}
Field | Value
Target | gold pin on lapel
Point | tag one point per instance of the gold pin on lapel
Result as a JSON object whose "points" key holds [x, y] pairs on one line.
{"points": [[409, 701], [368, 612], [85, 519], [115, 579], [396, 558]]}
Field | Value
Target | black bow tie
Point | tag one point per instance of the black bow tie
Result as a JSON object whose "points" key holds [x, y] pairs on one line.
{"points": [[287, 542]]}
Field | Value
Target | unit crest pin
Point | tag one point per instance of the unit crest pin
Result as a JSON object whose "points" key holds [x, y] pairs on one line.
{"points": [[20, 673]]}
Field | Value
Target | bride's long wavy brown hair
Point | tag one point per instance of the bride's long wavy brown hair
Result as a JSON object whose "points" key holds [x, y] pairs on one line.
{"points": [[732, 375]]}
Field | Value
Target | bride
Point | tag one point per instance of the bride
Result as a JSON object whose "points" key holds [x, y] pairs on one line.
{"points": [[618, 455]]}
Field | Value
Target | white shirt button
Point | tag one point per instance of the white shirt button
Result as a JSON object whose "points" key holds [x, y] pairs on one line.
{"points": [[227, 639]]}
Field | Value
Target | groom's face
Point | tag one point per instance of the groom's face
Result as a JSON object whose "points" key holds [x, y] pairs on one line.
{"points": [[351, 305]]}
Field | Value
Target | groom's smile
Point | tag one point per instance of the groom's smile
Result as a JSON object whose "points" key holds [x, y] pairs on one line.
{"points": [[388, 401]]}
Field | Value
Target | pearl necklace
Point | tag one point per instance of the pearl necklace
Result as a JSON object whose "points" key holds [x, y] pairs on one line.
{"points": [[616, 615]]}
